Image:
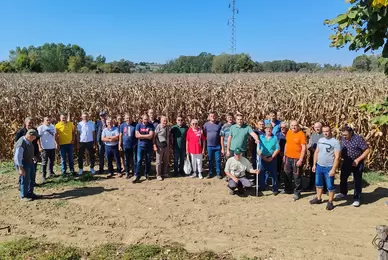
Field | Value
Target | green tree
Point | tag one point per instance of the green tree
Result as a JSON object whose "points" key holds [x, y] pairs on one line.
{"points": [[6, 67], [362, 63], [363, 26], [74, 64]]}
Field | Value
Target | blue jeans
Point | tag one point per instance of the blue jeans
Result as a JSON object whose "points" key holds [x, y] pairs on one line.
{"points": [[271, 167], [179, 156], [322, 174], [214, 154], [66, 150], [141, 152], [112, 152], [26, 182]]}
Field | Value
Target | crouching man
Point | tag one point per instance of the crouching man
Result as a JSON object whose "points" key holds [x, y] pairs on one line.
{"points": [[235, 169]]}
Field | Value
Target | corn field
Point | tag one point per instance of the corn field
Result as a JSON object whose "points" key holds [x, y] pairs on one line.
{"points": [[329, 98]]}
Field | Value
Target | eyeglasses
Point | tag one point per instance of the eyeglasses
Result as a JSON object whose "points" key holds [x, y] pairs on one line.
{"points": [[194, 123], [179, 120]]}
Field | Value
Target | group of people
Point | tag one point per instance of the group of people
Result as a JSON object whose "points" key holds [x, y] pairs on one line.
{"points": [[278, 151]]}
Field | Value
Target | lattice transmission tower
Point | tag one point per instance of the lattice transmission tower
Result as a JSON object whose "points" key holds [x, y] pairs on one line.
{"points": [[232, 25]]}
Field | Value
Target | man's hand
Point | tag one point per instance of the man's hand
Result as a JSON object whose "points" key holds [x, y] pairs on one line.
{"points": [[40, 149], [355, 163], [269, 159], [314, 169], [56, 146], [235, 180], [22, 172], [120, 148], [299, 163], [228, 153], [155, 148], [257, 141], [256, 171], [222, 151], [332, 173]]}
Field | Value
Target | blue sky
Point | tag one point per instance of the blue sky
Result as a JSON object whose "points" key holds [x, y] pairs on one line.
{"points": [[155, 30]]}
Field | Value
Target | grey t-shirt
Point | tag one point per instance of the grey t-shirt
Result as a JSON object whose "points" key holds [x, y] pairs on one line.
{"points": [[238, 168], [162, 133], [314, 138], [326, 148]]}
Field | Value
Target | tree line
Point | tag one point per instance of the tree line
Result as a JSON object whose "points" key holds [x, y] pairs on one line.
{"points": [[52, 57]]}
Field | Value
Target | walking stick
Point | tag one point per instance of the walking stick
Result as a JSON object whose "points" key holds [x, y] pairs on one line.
{"points": [[257, 179]]}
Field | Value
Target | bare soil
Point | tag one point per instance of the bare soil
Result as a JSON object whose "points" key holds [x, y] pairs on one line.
{"points": [[199, 214]]}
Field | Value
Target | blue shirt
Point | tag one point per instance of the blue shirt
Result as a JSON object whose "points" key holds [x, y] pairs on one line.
{"points": [[114, 131], [128, 134], [225, 132], [276, 127], [18, 156], [268, 145], [145, 130], [282, 141], [212, 132]]}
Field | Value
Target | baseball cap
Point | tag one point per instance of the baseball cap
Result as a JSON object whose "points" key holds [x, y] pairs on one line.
{"points": [[268, 125], [102, 113], [237, 151], [32, 132]]}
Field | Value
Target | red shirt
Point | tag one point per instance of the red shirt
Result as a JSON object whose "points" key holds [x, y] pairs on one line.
{"points": [[194, 140]]}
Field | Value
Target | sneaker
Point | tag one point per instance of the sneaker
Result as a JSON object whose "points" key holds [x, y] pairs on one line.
{"points": [[386, 203], [219, 177], [356, 203], [120, 175], [275, 193], [136, 180], [339, 196], [159, 178], [110, 175], [35, 196], [315, 201], [72, 173], [194, 175], [80, 172], [285, 192], [43, 179], [209, 176], [231, 192], [329, 206], [92, 171], [52, 175], [25, 199], [296, 196], [200, 176]]}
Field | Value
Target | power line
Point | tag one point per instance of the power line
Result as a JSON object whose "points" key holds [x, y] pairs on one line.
{"points": [[232, 25]]}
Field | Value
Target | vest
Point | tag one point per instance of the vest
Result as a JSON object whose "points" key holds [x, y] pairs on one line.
{"points": [[28, 151]]}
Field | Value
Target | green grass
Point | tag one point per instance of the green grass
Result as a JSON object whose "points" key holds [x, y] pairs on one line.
{"points": [[60, 204], [375, 177], [66, 181], [7, 168], [28, 248]]}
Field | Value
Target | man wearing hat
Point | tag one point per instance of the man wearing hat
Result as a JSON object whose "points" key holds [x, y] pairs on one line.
{"points": [[267, 152], [24, 164], [235, 169], [100, 126]]}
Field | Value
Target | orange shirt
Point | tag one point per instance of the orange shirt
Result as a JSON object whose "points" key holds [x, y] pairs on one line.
{"points": [[294, 143]]}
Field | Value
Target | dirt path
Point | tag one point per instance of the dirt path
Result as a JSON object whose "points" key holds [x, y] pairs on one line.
{"points": [[198, 214]]}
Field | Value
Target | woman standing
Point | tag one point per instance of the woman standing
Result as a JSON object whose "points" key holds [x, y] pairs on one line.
{"points": [[195, 143], [161, 147]]}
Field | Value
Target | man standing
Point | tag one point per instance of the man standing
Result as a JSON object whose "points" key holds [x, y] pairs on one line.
{"points": [[273, 120], [325, 164], [225, 132], [178, 134], [311, 146], [86, 135], [212, 131], [127, 144], [24, 164], [259, 131], [267, 152], [100, 126], [238, 137], [161, 142], [281, 136], [65, 136], [295, 151], [47, 145], [144, 133], [152, 118], [118, 123], [354, 152], [28, 124], [235, 169], [110, 137]]}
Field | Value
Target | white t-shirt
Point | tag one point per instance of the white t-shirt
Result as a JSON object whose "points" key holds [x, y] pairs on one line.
{"points": [[86, 130], [47, 136]]}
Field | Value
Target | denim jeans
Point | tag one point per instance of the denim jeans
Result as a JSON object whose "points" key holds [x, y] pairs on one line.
{"points": [[66, 150], [322, 176], [147, 153], [129, 159], [179, 157], [346, 169], [214, 155], [26, 182], [271, 167], [112, 153]]}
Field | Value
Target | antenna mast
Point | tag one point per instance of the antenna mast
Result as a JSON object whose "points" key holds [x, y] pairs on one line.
{"points": [[232, 25]]}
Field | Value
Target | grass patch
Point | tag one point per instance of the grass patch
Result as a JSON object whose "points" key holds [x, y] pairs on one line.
{"points": [[28, 248], [374, 177], [7, 168], [65, 181], [60, 204]]}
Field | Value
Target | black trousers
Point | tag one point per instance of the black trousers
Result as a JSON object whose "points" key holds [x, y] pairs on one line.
{"points": [[82, 148], [292, 171], [48, 159]]}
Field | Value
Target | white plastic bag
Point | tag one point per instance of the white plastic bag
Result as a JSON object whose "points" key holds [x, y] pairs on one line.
{"points": [[187, 166]]}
